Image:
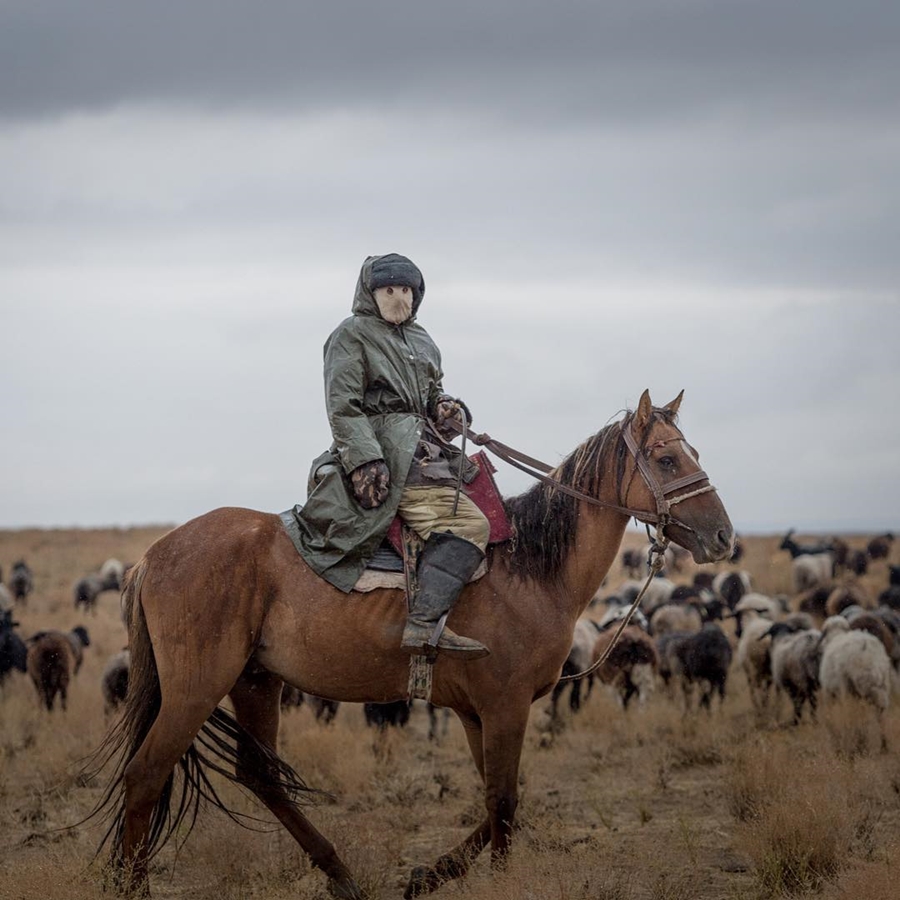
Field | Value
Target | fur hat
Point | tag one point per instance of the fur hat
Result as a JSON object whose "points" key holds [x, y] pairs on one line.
{"points": [[396, 269]]}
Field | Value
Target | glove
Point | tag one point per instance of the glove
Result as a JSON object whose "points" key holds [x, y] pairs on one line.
{"points": [[371, 482], [449, 408]]}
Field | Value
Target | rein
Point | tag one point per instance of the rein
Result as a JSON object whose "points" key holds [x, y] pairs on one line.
{"points": [[660, 519]]}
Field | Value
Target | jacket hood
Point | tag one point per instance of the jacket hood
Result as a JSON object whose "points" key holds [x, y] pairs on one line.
{"points": [[380, 271]]}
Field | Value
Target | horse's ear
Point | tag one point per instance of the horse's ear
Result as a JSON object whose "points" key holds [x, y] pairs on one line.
{"points": [[675, 404], [644, 410]]}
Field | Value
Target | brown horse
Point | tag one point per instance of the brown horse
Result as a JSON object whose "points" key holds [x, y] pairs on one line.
{"points": [[224, 606]]}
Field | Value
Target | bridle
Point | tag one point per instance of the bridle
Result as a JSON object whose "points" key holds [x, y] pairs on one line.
{"points": [[661, 518]]}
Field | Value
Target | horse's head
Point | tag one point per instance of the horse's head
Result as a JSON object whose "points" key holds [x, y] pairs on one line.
{"points": [[667, 478]]}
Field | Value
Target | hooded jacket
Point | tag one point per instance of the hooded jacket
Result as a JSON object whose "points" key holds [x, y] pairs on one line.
{"points": [[381, 382]]}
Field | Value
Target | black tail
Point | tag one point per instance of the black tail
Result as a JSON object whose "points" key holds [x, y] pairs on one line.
{"points": [[220, 745]]}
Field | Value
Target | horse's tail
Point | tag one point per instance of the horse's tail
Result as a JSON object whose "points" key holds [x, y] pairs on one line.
{"points": [[220, 736]]}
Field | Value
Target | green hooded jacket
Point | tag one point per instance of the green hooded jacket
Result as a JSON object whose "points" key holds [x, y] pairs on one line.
{"points": [[381, 382]]}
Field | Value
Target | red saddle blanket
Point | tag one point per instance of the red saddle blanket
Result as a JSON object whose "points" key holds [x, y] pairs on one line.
{"points": [[482, 490]]}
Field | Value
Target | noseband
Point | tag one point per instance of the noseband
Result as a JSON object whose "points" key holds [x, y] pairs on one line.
{"points": [[660, 492]]}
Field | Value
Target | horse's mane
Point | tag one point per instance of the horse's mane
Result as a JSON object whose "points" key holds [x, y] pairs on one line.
{"points": [[544, 519]]}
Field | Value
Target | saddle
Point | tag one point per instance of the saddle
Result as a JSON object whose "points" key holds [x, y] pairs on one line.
{"points": [[394, 562]]}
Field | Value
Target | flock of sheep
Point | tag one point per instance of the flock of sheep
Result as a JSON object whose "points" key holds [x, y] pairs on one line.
{"points": [[830, 639], [52, 658]]}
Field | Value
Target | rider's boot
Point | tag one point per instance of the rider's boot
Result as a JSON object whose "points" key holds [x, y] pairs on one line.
{"points": [[446, 565]]}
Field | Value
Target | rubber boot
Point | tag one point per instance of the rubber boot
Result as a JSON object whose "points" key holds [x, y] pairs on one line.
{"points": [[446, 565]]}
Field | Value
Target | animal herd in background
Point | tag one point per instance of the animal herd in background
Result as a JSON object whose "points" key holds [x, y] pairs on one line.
{"points": [[830, 639]]}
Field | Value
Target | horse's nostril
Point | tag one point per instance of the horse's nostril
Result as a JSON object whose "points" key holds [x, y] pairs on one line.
{"points": [[724, 537]]}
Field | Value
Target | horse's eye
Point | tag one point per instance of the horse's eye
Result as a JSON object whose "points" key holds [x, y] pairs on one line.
{"points": [[667, 462]]}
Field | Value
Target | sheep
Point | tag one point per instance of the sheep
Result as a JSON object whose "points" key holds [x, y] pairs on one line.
{"points": [[630, 667], [814, 602], [112, 572], [810, 571], [438, 722], [796, 550], [729, 587], [381, 715], [633, 563], [705, 659], [672, 617], [710, 607], [855, 664], [857, 562], [874, 625], [87, 589], [880, 547], [795, 666], [847, 595], [579, 658], [840, 549], [616, 613], [890, 597], [758, 604], [636, 562], [13, 652], [21, 581], [53, 658], [658, 592], [114, 680], [754, 657]]}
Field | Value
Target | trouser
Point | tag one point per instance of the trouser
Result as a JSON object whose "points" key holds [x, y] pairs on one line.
{"points": [[427, 509]]}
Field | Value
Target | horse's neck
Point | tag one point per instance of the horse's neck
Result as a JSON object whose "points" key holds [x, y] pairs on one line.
{"points": [[598, 537]]}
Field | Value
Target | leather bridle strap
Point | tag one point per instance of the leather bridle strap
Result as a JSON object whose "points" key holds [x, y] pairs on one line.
{"points": [[540, 470]]}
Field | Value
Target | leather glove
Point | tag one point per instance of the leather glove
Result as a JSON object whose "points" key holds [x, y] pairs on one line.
{"points": [[371, 482], [449, 408]]}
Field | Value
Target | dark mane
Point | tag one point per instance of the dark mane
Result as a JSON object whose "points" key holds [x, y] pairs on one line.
{"points": [[545, 519]]}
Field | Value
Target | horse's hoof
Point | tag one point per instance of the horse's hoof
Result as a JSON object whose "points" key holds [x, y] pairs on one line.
{"points": [[422, 881], [345, 889]]}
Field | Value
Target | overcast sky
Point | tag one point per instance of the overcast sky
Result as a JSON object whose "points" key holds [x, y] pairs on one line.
{"points": [[603, 197]]}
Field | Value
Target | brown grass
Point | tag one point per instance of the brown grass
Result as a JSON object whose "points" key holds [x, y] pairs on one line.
{"points": [[651, 805]]}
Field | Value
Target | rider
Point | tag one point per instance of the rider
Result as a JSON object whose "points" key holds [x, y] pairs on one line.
{"points": [[391, 455]]}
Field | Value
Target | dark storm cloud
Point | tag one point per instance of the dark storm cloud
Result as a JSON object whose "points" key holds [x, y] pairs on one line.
{"points": [[530, 60]]}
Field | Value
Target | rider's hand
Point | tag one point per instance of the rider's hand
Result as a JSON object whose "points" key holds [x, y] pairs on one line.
{"points": [[371, 482], [449, 408]]}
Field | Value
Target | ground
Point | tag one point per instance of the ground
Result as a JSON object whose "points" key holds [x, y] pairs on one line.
{"points": [[650, 803]]}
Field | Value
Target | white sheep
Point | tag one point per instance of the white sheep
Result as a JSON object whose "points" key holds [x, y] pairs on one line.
{"points": [[674, 617], [659, 591], [854, 663], [810, 571], [754, 657]]}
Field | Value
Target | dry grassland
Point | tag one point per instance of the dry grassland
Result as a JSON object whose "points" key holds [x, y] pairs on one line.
{"points": [[649, 804]]}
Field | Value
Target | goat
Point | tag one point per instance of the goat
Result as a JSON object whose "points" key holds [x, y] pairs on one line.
{"points": [[659, 590], [114, 680], [21, 581], [53, 658], [795, 549]]}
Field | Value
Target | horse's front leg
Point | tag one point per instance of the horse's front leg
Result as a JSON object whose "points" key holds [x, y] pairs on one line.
{"points": [[504, 734], [455, 864]]}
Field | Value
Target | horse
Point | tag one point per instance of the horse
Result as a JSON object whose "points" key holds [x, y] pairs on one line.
{"points": [[224, 606]]}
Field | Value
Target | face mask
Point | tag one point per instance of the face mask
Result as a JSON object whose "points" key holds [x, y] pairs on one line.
{"points": [[394, 303]]}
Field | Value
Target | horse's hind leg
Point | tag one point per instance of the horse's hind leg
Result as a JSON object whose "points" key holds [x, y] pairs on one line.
{"points": [[170, 736], [257, 707], [456, 863]]}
